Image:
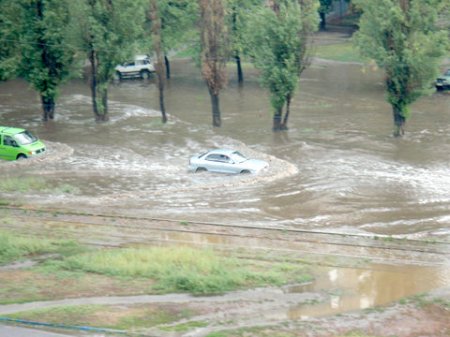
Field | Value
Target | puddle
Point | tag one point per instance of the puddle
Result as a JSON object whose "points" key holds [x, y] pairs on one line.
{"points": [[356, 289]]}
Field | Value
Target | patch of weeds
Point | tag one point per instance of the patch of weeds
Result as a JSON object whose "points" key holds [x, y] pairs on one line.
{"points": [[217, 334], [5, 202], [65, 315], [13, 247], [184, 223], [185, 269], [184, 327]]}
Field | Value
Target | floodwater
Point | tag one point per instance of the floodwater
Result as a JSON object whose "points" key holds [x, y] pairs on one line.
{"points": [[337, 168]]}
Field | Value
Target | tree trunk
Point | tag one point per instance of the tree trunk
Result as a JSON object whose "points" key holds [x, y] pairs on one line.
{"points": [[323, 20], [93, 83], [48, 108], [399, 122], [277, 119], [216, 121], [161, 95], [157, 45], [240, 74], [167, 64], [286, 115]]}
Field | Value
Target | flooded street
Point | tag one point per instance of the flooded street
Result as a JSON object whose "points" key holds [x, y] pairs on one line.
{"points": [[337, 169], [341, 168]]}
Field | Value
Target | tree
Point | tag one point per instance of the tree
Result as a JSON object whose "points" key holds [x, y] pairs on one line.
{"points": [[157, 46], [9, 38], [214, 51], [324, 9], [46, 57], [279, 39], [109, 29], [403, 38], [178, 26], [237, 13]]}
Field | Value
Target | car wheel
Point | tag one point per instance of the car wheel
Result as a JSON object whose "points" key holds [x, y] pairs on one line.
{"points": [[21, 156], [200, 169], [145, 74], [245, 172], [439, 88]]}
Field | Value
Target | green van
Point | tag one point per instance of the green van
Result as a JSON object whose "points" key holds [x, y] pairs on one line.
{"points": [[18, 143]]}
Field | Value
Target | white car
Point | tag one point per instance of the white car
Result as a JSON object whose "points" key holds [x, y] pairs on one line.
{"points": [[225, 161], [140, 67]]}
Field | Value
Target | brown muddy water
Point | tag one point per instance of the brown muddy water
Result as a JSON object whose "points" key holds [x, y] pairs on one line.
{"points": [[336, 169]]}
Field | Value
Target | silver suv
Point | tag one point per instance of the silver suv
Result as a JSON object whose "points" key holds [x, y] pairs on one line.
{"points": [[140, 67], [443, 81]]}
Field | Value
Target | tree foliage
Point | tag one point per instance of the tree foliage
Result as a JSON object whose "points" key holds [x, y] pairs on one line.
{"points": [[109, 29], [46, 56], [278, 39], [9, 38], [403, 38]]}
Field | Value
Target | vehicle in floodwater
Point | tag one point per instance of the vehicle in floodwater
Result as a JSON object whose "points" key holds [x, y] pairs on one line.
{"points": [[16, 143], [225, 161]]}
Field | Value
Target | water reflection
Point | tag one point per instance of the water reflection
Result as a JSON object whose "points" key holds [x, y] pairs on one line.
{"points": [[354, 289]]}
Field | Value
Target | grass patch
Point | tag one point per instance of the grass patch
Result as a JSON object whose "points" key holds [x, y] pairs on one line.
{"points": [[343, 52], [14, 247], [111, 317], [183, 269], [185, 327]]}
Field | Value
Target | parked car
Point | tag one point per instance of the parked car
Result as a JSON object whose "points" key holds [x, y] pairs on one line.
{"points": [[225, 161], [140, 67], [18, 143], [443, 81]]}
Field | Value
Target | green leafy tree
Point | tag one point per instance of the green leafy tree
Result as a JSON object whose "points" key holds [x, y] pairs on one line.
{"points": [[279, 38], [109, 29], [178, 26], [46, 56], [214, 51], [238, 11], [9, 38], [403, 38], [324, 9]]}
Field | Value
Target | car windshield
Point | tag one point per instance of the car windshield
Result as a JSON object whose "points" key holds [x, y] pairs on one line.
{"points": [[25, 138], [238, 157]]}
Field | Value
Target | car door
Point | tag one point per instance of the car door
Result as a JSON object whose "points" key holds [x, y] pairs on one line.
{"points": [[9, 148], [219, 163]]}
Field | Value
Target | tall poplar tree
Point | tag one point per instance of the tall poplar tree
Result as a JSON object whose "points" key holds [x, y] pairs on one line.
{"points": [[214, 51], [403, 38], [158, 48], [279, 37], [46, 57], [109, 30]]}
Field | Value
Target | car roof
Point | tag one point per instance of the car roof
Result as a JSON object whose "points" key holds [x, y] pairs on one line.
{"points": [[10, 131], [222, 151]]}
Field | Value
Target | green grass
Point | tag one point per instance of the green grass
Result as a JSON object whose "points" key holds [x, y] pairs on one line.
{"points": [[185, 327], [184, 269], [13, 247], [110, 317], [343, 52]]}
